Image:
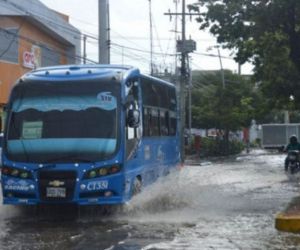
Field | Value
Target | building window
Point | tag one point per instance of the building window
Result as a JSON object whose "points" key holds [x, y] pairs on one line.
{"points": [[9, 45], [71, 56], [50, 57]]}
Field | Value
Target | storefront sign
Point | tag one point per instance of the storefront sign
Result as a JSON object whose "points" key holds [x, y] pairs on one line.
{"points": [[28, 60], [32, 59]]}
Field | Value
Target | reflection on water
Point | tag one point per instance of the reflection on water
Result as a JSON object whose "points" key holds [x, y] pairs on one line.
{"points": [[227, 205]]}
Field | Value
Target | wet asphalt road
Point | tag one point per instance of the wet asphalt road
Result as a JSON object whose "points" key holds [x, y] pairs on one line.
{"points": [[221, 205]]}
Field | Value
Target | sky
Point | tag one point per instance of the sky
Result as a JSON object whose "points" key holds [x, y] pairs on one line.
{"points": [[130, 29]]}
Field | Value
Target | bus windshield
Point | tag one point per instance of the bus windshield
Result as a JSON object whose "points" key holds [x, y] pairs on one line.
{"points": [[63, 122]]}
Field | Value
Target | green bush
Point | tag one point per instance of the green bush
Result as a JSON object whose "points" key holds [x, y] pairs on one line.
{"points": [[217, 147]]}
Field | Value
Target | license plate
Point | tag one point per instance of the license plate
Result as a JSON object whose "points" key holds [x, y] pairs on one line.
{"points": [[56, 192]]}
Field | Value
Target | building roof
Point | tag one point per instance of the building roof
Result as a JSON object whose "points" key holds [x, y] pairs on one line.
{"points": [[46, 19]]}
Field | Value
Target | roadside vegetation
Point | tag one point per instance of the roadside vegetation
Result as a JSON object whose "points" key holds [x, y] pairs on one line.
{"points": [[227, 101], [217, 147]]}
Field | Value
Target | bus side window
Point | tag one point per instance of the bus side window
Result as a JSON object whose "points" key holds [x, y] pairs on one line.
{"points": [[154, 123], [173, 123], [164, 123], [149, 118], [146, 125]]}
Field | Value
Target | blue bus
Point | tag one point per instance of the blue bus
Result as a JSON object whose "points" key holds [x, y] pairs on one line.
{"points": [[87, 135]]}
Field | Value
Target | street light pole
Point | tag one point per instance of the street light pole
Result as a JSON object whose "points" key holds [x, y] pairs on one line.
{"points": [[222, 70], [184, 47], [104, 42], [190, 99], [182, 84], [84, 49], [151, 38]]}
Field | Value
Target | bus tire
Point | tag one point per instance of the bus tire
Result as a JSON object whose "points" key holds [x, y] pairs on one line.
{"points": [[137, 186]]}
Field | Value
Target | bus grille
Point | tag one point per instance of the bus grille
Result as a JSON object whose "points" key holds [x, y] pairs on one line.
{"points": [[57, 185]]}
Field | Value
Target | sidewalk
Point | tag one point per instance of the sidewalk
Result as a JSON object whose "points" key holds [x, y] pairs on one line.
{"points": [[193, 160]]}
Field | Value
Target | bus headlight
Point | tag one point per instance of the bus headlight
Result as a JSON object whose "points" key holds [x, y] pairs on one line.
{"points": [[92, 174], [17, 173], [100, 172], [103, 171]]}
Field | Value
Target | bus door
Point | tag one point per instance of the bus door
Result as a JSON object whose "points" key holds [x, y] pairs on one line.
{"points": [[133, 121]]}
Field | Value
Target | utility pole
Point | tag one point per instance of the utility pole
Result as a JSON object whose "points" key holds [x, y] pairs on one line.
{"points": [[190, 100], [84, 49], [183, 83], [104, 42], [176, 31], [151, 38], [108, 32], [222, 70], [184, 47]]}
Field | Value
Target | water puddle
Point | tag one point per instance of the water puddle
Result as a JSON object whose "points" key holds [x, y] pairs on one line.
{"points": [[228, 205]]}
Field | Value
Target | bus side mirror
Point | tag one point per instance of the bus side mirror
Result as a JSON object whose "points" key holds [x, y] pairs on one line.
{"points": [[133, 118], [128, 101]]}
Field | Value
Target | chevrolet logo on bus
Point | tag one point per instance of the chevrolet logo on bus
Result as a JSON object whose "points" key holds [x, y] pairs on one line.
{"points": [[56, 183]]}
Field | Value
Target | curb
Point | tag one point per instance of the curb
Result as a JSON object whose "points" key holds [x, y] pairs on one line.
{"points": [[288, 222], [289, 219]]}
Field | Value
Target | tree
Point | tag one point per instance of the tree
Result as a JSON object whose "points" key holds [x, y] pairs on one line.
{"points": [[264, 32], [226, 109]]}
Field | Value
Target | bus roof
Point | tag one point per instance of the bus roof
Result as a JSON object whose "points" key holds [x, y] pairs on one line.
{"points": [[72, 72], [158, 80], [86, 71]]}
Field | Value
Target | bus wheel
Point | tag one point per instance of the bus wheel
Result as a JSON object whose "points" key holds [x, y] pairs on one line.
{"points": [[137, 186]]}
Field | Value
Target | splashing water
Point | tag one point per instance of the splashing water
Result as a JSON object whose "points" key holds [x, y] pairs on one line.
{"points": [[206, 191], [223, 205]]}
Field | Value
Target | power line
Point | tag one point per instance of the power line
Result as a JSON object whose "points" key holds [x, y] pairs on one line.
{"points": [[21, 10], [68, 30], [213, 55], [143, 51], [139, 57], [12, 41], [50, 21], [42, 45], [141, 60], [159, 44], [46, 19], [79, 20]]}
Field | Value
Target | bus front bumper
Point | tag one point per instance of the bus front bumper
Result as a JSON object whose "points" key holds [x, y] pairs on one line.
{"points": [[108, 191], [118, 200]]}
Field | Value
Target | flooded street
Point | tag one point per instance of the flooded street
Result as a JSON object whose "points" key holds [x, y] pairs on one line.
{"points": [[222, 205]]}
